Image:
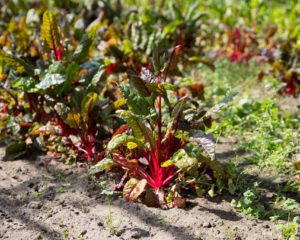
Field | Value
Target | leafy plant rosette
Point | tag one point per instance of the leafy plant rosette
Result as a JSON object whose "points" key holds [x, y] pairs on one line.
{"points": [[59, 99], [162, 144]]}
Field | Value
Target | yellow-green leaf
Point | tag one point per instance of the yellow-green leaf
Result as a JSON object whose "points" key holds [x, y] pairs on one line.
{"points": [[167, 163], [88, 104], [50, 32], [131, 145], [73, 120], [16, 63]]}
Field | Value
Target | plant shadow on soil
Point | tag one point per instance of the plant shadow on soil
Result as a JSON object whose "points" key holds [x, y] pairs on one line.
{"points": [[78, 181]]}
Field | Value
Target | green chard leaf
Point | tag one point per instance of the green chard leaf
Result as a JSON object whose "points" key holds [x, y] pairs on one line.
{"points": [[137, 104], [51, 79], [15, 63], [123, 140], [15, 150], [104, 164], [50, 32], [140, 130], [83, 48], [88, 104]]}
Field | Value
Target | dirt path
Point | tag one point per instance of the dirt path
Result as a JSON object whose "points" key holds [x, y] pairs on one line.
{"points": [[57, 203]]}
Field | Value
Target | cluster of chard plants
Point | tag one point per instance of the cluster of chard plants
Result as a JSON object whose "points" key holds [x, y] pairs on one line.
{"points": [[105, 100], [58, 103]]}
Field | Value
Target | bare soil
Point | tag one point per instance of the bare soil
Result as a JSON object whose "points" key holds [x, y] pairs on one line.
{"points": [[41, 200]]}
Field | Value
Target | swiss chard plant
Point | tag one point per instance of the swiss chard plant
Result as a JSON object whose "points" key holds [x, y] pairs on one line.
{"points": [[162, 144]]}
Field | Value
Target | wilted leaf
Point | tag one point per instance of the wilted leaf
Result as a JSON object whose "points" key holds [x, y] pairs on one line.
{"points": [[128, 187], [119, 103], [155, 198], [47, 130], [137, 190], [204, 61], [174, 58]]}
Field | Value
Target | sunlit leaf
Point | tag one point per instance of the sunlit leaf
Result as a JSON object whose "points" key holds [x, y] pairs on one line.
{"points": [[17, 64], [82, 49], [102, 165], [123, 140], [140, 130], [88, 104], [50, 33], [50, 79]]}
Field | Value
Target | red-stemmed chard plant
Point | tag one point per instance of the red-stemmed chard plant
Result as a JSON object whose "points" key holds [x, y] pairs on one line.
{"points": [[158, 142]]}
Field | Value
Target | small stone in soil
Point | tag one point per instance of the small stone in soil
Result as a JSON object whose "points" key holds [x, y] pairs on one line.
{"points": [[207, 225], [139, 233], [83, 232], [266, 226], [35, 205], [100, 224]]}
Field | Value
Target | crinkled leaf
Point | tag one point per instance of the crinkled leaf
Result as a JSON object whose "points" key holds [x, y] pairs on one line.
{"points": [[62, 110], [50, 79], [17, 64], [82, 49], [186, 163], [25, 84], [15, 150], [88, 104], [177, 110], [194, 150], [140, 130], [73, 120], [50, 32], [104, 164], [56, 67], [123, 140], [137, 83], [47, 130], [137, 104], [98, 76], [156, 88], [205, 141]]}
